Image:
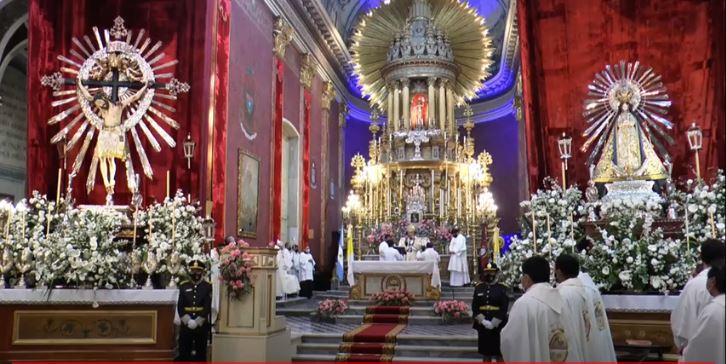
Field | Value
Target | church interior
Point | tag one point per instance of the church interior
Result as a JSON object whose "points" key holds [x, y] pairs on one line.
{"points": [[362, 180]]}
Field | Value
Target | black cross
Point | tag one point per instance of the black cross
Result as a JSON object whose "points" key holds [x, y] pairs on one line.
{"points": [[114, 83]]}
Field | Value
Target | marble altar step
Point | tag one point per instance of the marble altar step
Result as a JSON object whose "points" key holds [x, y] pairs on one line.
{"points": [[290, 301]]}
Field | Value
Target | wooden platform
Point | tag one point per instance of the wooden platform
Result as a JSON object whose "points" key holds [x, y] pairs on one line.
{"points": [[127, 325]]}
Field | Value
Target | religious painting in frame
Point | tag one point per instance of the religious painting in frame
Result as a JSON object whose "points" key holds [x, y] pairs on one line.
{"points": [[248, 185]]}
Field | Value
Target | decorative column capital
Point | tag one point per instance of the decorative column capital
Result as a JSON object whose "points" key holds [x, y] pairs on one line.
{"points": [[405, 82], [431, 81], [443, 82], [282, 34], [327, 96], [307, 71]]}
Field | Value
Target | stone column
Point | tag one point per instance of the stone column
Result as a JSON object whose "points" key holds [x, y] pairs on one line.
{"points": [[396, 110], [406, 103], [389, 117], [442, 104], [432, 104], [249, 329], [450, 108]]}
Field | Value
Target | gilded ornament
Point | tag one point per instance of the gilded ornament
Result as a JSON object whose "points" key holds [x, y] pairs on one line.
{"points": [[282, 34]]}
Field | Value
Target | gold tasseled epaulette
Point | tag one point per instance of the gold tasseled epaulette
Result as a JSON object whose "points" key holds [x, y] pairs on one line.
{"points": [[184, 282]]}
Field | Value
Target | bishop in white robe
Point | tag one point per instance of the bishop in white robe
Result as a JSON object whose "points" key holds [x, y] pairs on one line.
{"points": [[694, 296], [458, 266], [538, 329], [412, 243], [707, 342]]}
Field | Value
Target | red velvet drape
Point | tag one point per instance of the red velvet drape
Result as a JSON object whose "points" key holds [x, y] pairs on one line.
{"points": [[277, 125], [306, 170], [221, 79], [565, 42], [179, 24]]}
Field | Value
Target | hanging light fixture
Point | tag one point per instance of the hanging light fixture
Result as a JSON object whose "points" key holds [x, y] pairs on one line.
{"points": [[189, 146]]}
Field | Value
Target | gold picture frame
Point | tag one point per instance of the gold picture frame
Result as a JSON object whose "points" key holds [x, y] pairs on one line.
{"points": [[248, 188]]}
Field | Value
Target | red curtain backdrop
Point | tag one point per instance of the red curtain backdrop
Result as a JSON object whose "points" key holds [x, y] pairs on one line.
{"points": [[306, 170], [221, 79], [179, 24], [565, 42], [277, 125]]}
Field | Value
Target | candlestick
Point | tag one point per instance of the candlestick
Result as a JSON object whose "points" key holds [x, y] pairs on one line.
{"points": [[400, 187], [534, 230], [433, 196], [549, 232], [688, 238], [713, 224], [167, 182], [22, 226], [136, 217], [572, 232], [58, 187]]}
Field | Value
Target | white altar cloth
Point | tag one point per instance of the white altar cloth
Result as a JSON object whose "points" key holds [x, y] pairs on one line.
{"points": [[639, 303], [365, 266], [89, 296]]}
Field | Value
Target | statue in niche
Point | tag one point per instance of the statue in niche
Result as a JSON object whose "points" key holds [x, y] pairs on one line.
{"points": [[419, 111], [405, 46], [395, 50], [440, 44], [430, 43]]}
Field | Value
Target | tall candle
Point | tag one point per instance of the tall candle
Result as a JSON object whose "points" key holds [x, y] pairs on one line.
{"points": [[688, 238], [572, 232], [22, 226], [167, 182], [136, 215], [534, 230], [549, 235], [58, 187], [713, 224], [433, 196], [400, 187]]}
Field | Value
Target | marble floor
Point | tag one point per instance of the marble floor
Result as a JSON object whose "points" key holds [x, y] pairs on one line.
{"points": [[303, 325]]}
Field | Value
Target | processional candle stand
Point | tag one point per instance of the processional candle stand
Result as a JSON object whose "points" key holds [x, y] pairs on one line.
{"points": [[189, 146], [695, 142], [564, 144]]}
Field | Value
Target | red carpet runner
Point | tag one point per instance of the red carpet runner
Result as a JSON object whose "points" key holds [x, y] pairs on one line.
{"points": [[375, 340]]}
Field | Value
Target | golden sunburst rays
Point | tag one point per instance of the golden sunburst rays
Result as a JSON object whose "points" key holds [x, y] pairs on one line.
{"points": [[642, 89], [115, 64], [466, 31]]}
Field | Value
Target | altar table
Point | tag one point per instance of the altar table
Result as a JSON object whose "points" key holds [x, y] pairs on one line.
{"points": [[641, 317], [87, 325], [420, 278]]}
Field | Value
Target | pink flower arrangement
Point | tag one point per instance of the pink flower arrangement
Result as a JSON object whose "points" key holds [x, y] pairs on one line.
{"points": [[330, 308], [453, 309], [393, 298], [235, 268]]}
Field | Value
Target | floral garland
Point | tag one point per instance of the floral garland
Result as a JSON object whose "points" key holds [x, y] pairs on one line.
{"points": [[393, 298], [452, 310], [330, 308], [235, 268]]}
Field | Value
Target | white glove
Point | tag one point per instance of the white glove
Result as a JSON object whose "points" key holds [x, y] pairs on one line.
{"points": [[479, 318], [487, 324], [192, 324], [200, 321], [185, 319], [496, 322]]}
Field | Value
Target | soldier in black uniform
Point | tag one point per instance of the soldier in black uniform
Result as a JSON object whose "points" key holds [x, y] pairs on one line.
{"points": [[489, 307], [194, 307]]}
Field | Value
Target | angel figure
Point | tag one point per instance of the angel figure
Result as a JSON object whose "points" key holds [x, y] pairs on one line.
{"points": [[111, 144]]}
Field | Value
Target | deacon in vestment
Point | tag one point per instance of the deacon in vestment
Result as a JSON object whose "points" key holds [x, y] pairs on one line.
{"points": [[576, 301], [429, 254], [194, 308], [412, 243], [306, 269], [286, 283], [489, 308], [458, 266], [538, 330], [694, 296], [707, 342]]}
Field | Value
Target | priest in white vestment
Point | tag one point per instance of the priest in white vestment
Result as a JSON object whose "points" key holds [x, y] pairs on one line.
{"points": [[286, 283], [306, 271], [576, 301], [429, 254], [390, 254], [707, 342], [694, 296], [458, 266], [412, 243], [601, 348], [381, 248], [538, 329]]}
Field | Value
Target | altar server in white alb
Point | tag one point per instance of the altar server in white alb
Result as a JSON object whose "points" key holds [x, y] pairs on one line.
{"points": [[707, 342], [538, 330], [458, 266], [287, 284], [383, 246], [389, 253], [576, 301], [306, 269], [429, 254], [601, 348], [695, 296]]}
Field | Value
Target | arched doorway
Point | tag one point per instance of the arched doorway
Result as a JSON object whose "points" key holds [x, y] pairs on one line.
{"points": [[291, 194]]}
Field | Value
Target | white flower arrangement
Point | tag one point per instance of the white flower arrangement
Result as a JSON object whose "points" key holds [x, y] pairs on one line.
{"points": [[705, 201], [174, 232]]}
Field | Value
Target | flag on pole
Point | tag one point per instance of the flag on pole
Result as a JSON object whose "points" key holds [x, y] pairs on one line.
{"points": [[349, 253], [340, 264]]}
